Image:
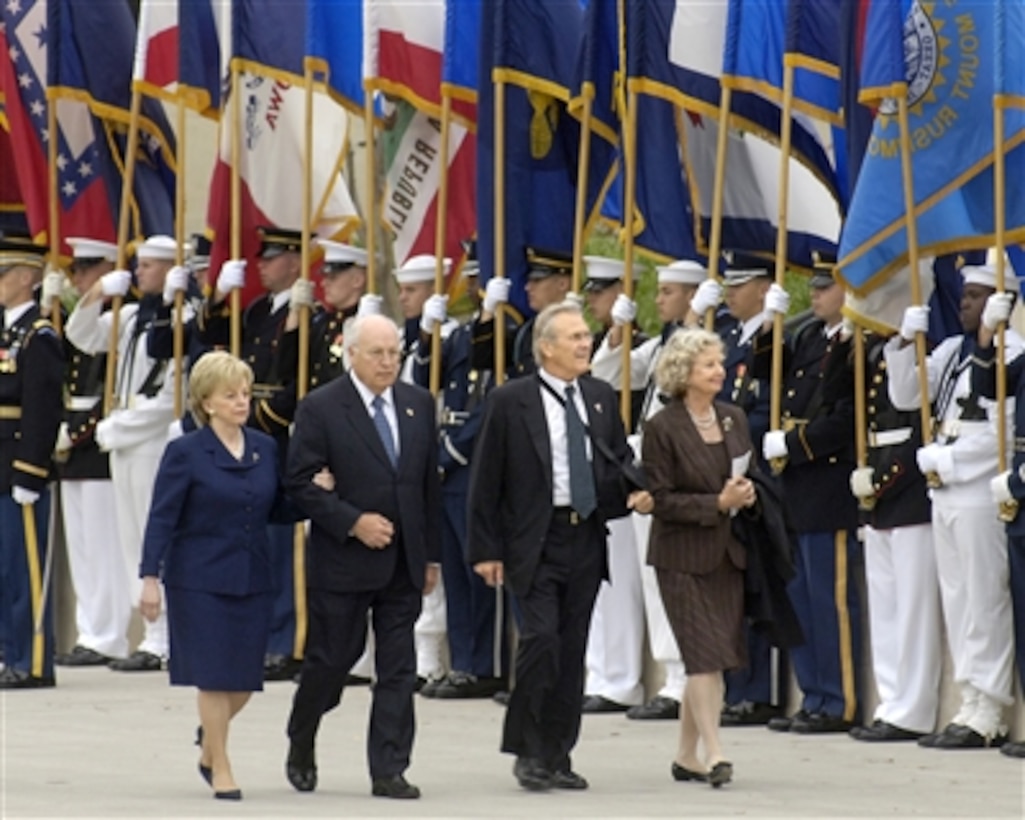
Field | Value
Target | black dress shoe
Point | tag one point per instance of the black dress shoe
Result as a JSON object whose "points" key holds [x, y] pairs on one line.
{"points": [[685, 775], [748, 713], [820, 723], [958, 736], [229, 794], [280, 667], [464, 686], [81, 656], [396, 787], [658, 708], [18, 679], [720, 773], [568, 780], [785, 724], [882, 732], [355, 680], [598, 705], [301, 770], [1013, 749], [531, 775], [139, 661]]}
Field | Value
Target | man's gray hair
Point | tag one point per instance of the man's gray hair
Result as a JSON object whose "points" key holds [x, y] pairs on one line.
{"points": [[543, 323], [354, 329]]}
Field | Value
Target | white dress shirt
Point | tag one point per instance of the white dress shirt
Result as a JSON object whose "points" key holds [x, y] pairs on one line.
{"points": [[555, 415], [368, 396]]}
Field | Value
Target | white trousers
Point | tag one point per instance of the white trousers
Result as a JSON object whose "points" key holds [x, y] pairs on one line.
{"points": [[664, 648], [971, 557], [102, 604], [431, 633], [615, 644], [133, 471], [905, 621]]}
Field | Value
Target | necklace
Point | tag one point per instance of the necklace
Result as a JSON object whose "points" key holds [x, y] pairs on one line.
{"points": [[704, 422]]}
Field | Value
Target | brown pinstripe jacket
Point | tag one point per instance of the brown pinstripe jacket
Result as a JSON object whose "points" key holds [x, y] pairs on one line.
{"points": [[688, 533]]}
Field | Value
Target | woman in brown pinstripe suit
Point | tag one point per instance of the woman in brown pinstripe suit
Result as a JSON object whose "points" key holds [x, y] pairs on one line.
{"points": [[689, 451]]}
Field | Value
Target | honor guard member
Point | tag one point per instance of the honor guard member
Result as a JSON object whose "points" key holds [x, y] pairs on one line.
{"points": [[900, 564], [1008, 488], [263, 325], [191, 280], [31, 376], [970, 541], [478, 662], [815, 450], [615, 669], [421, 310], [549, 279], [135, 431], [95, 558], [757, 693]]}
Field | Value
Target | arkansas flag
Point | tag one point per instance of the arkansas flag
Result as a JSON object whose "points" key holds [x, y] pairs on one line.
{"points": [[271, 168]]}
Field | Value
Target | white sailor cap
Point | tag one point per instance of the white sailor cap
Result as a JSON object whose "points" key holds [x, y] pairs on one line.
{"points": [[82, 247], [419, 269], [985, 275], [338, 256], [160, 247], [682, 272]]}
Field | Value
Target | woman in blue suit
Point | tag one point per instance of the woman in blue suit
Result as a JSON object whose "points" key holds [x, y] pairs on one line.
{"points": [[206, 539]]}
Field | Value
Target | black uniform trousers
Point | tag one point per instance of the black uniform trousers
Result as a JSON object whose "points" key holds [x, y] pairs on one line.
{"points": [[337, 637], [543, 717]]}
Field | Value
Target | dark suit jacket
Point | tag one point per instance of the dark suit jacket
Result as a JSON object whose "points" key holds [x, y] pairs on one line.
{"points": [[333, 429], [207, 526], [688, 533], [510, 505]]}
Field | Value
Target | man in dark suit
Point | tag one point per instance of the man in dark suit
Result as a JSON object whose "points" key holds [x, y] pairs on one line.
{"points": [[374, 547], [540, 495]]}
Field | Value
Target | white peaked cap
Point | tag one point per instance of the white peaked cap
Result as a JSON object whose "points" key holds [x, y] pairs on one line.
{"points": [[338, 253], [159, 247], [603, 267], [682, 272], [985, 275], [419, 269], [83, 247]]}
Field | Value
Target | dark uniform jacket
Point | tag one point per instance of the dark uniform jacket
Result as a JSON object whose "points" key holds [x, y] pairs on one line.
{"points": [[818, 417], [84, 382], [31, 386], [741, 387]]}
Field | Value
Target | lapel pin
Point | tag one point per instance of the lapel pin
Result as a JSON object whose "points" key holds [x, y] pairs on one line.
{"points": [[409, 412], [597, 406], [256, 456], [727, 424]]}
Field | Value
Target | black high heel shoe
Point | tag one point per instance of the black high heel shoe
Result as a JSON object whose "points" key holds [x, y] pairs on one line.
{"points": [[721, 772], [682, 774], [207, 774], [230, 794]]}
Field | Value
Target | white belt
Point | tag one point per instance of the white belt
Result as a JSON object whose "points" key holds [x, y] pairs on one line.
{"points": [[952, 428], [81, 403], [887, 438]]}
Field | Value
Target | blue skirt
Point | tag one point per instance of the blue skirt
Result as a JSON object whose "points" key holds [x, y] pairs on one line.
{"points": [[218, 642]]}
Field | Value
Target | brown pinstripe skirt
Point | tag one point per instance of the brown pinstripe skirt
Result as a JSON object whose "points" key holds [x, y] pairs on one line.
{"points": [[706, 613]]}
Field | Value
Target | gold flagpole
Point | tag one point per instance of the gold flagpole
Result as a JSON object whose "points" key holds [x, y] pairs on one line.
{"points": [[629, 195], [179, 255], [235, 305], [860, 414], [1008, 509], [500, 225], [54, 209], [440, 227], [371, 171], [122, 242], [715, 230]]}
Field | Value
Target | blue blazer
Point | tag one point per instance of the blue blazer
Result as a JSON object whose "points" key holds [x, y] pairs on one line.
{"points": [[207, 527]]}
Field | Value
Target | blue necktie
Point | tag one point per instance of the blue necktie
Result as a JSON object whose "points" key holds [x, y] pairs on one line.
{"points": [[384, 430], [581, 479]]}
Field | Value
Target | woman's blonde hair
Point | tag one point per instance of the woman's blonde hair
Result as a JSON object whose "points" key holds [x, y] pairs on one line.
{"points": [[677, 359], [211, 372]]}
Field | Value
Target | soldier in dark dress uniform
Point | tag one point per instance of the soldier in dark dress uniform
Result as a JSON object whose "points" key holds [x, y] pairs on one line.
{"points": [[816, 449], [263, 325], [900, 565], [102, 604], [31, 379]]}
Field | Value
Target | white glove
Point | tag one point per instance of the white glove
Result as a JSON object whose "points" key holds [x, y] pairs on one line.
{"points": [[624, 310], [100, 435], [574, 298], [999, 485], [435, 311], [997, 310], [774, 445], [116, 283], [176, 281], [174, 430], [23, 496], [370, 305], [927, 457], [496, 292], [64, 442], [777, 300], [916, 320], [232, 276], [53, 288], [862, 484], [301, 294], [706, 297]]}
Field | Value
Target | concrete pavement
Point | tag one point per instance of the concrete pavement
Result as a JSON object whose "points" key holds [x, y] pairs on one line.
{"points": [[115, 745]]}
